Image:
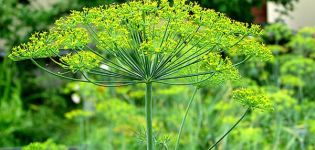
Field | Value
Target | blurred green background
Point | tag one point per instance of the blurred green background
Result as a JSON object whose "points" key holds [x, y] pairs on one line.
{"points": [[38, 107]]}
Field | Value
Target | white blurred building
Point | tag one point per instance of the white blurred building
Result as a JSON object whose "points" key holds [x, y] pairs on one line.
{"points": [[303, 14]]}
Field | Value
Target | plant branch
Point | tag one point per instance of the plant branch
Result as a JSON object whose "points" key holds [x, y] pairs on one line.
{"points": [[185, 116], [244, 60], [188, 75], [224, 135], [188, 83], [148, 112], [104, 85], [55, 74]]}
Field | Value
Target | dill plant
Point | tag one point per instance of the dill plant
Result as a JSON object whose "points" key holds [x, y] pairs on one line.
{"points": [[148, 42]]}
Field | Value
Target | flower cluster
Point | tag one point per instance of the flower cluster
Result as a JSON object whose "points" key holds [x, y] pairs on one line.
{"points": [[253, 98], [246, 47], [77, 113], [71, 38], [222, 70], [81, 61], [39, 46], [49, 144], [147, 41]]}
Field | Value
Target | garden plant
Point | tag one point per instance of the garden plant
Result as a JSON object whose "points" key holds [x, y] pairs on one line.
{"points": [[150, 42]]}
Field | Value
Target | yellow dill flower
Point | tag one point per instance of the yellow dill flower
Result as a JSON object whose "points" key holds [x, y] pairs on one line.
{"points": [[81, 61], [253, 98], [78, 113]]}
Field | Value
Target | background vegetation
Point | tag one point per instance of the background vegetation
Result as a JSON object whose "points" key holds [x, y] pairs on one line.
{"points": [[37, 107]]}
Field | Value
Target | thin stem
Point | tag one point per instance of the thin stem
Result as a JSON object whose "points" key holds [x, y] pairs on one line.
{"points": [[247, 58], [241, 39], [117, 83], [55, 74], [107, 74], [173, 68], [176, 51], [148, 110], [188, 75], [242, 117], [184, 119], [116, 65], [108, 62], [109, 85], [187, 83], [130, 62]]}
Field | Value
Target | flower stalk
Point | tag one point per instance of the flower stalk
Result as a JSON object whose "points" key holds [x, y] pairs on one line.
{"points": [[226, 133], [148, 111], [184, 118]]}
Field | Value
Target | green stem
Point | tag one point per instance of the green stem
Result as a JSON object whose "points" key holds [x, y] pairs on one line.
{"points": [[242, 117], [184, 119], [148, 110]]}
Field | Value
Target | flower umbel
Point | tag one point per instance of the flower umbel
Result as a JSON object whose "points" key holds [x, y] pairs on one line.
{"points": [[253, 98], [148, 42], [144, 41]]}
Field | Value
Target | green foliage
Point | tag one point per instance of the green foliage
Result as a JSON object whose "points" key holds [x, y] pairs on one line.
{"points": [[44, 146], [299, 66], [291, 80], [237, 9], [303, 43], [277, 33], [283, 100], [19, 19], [77, 113], [242, 9], [277, 49]]}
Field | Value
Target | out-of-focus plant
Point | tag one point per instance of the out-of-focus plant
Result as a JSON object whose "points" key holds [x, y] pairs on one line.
{"points": [[49, 144], [11, 111], [236, 9], [277, 49], [303, 43], [277, 33], [241, 9], [296, 71], [299, 66], [146, 43]]}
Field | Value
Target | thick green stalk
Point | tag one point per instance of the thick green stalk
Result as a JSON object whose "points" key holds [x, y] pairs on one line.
{"points": [[184, 119], [148, 110]]}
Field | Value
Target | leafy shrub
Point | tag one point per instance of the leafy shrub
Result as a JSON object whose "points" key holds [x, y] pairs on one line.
{"points": [[48, 145]]}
